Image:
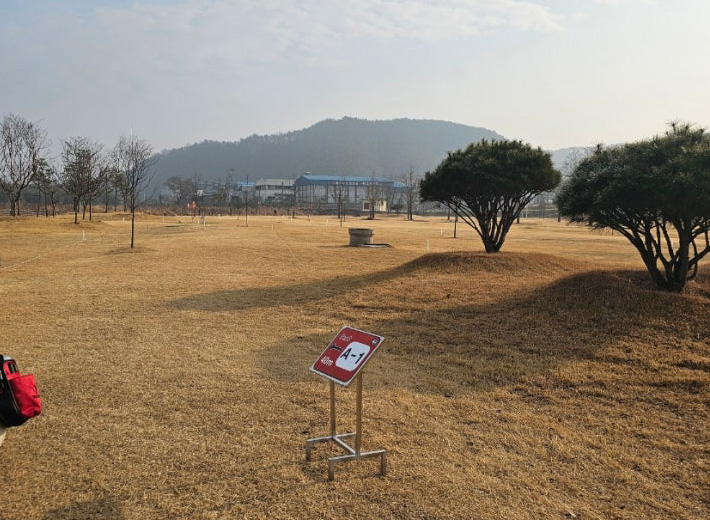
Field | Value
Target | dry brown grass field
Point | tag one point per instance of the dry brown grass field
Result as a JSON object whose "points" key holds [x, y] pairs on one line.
{"points": [[548, 381]]}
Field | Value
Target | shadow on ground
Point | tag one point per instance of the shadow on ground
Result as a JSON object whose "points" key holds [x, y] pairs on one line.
{"points": [[480, 346], [104, 508], [304, 293], [295, 294]]}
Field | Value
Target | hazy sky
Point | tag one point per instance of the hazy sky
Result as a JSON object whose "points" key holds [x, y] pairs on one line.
{"points": [[554, 73]]}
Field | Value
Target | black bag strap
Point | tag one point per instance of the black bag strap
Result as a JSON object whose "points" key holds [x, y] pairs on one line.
{"points": [[4, 381]]}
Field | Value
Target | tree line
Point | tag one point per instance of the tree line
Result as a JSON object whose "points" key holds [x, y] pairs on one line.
{"points": [[84, 170], [655, 193]]}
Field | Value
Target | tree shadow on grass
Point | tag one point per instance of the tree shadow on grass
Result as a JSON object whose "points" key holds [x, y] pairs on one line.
{"points": [[482, 346], [295, 294], [304, 293], [104, 508]]}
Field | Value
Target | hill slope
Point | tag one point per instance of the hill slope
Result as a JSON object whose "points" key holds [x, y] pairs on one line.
{"points": [[346, 146]]}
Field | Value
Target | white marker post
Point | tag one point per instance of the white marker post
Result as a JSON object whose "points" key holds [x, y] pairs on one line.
{"points": [[341, 362]]}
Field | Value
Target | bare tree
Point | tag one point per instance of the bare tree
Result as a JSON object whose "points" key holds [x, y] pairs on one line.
{"points": [[339, 196], [95, 178], [83, 172], [48, 186], [119, 187], [229, 186], [107, 186], [373, 192], [220, 195], [43, 170], [412, 192], [184, 190], [134, 159], [51, 188], [21, 147], [389, 193]]}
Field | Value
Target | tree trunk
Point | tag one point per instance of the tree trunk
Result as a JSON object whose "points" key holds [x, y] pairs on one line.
{"points": [[133, 225]]}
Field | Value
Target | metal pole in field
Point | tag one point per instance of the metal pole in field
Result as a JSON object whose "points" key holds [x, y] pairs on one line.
{"points": [[332, 409], [358, 416]]}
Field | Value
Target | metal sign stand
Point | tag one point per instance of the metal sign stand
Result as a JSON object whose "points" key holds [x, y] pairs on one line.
{"points": [[353, 453]]}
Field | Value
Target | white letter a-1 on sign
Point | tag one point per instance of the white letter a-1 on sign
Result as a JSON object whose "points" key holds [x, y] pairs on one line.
{"points": [[352, 356]]}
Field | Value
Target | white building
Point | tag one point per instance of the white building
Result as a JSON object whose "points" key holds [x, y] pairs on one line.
{"points": [[273, 191]]}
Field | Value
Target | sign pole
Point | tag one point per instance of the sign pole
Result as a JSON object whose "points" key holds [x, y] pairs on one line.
{"points": [[332, 409], [358, 415]]}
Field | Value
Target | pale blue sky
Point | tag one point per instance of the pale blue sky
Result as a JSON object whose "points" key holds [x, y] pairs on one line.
{"points": [[554, 73]]}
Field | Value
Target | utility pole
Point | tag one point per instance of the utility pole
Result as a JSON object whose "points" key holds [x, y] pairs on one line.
{"points": [[246, 202]]}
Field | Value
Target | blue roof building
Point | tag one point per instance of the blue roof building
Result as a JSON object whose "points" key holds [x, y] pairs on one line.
{"points": [[335, 193]]}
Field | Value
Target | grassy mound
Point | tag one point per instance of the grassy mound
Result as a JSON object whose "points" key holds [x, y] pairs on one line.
{"points": [[502, 263]]}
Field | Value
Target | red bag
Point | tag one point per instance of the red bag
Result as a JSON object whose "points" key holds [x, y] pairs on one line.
{"points": [[19, 397]]}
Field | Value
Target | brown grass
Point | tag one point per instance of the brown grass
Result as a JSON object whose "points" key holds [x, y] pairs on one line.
{"points": [[548, 381]]}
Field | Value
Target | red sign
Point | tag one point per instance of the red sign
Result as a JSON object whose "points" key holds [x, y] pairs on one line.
{"points": [[346, 355]]}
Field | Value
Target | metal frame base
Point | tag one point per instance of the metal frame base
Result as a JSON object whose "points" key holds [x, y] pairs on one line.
{"points": [[352, 453]]}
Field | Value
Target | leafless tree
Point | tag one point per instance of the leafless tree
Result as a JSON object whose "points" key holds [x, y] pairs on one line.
{"points": [[412, 192], [118, 181], [108, 185], [339, 196], [229, 186], [133, 159], [83, 173], [373, 192], [389, 193], [184, 190], [22, 144], [43, 171], [220, 195], [49, 186]]}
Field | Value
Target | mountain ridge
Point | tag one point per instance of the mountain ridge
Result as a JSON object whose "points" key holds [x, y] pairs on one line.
{"points": [[346, 146]]}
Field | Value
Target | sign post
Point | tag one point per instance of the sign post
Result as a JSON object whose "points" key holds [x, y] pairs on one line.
{"points": [[342, 362]]}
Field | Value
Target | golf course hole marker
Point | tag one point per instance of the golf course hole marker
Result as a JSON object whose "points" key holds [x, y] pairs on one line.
{"points": [[342, 362]]}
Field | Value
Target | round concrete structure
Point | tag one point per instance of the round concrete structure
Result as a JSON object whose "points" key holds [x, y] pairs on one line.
{"points": [[360, 236]]}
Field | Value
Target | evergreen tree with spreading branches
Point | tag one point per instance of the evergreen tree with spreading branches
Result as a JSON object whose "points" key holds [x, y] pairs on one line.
{"points": [[489, 183], [656, 193]]}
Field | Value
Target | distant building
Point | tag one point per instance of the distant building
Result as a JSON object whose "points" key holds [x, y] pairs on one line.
{"points": [[328, 193], [274, 191]]}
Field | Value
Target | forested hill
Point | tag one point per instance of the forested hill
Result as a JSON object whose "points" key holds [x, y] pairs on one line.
{"points": [[346, 146]]}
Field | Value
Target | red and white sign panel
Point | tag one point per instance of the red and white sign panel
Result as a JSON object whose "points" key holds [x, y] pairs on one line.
{"points": [[346, 355]]}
